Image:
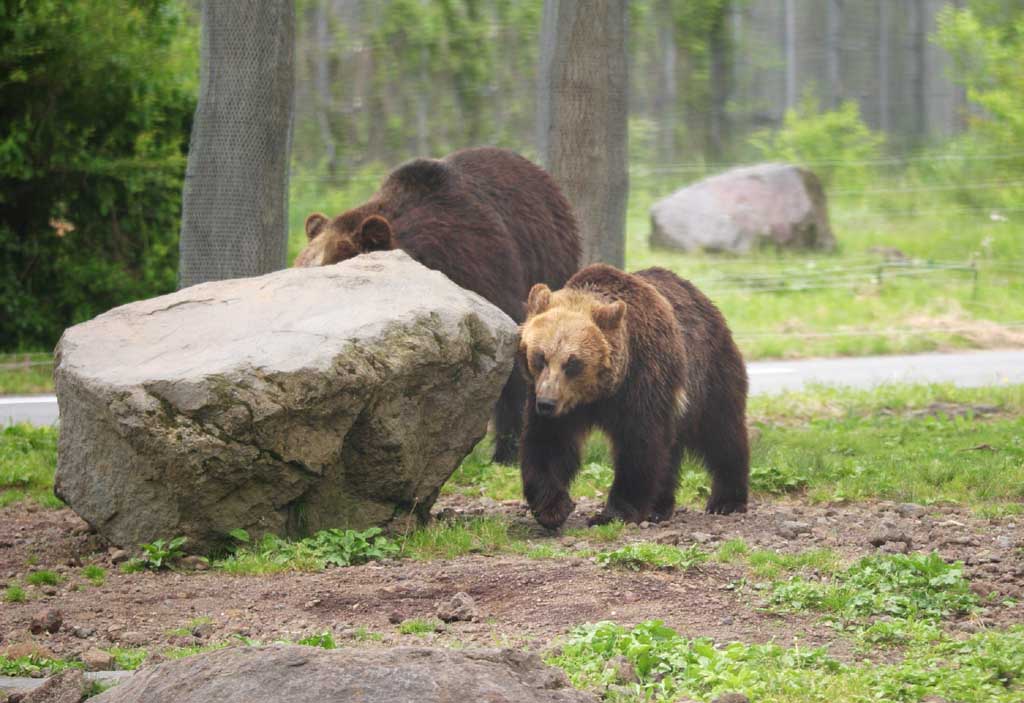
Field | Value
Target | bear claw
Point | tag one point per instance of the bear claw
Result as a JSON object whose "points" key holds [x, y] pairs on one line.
{"points": [[726, 507]]}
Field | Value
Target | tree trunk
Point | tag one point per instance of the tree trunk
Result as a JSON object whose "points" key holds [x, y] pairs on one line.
{"points": [[834, 19], [235, 200], [883, 66], [918, 47], [789, 34], [665, 90], [323, 86], [582, 111], [722, 76]]}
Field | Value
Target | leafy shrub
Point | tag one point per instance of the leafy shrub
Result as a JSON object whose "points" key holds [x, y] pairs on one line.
{"points": [[827, 141], [90, 193]]}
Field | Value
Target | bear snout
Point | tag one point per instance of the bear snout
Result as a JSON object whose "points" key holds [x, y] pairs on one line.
{"points": [[546, 407]]}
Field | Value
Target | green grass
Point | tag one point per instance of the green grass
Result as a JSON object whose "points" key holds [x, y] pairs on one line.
{"points": [[768, 564], [43, 577], [15, 594], [841, 444], [128, 658], [26, 373], [363, 635], [452, 539], [28, 459], [645, 555], [814, 304], [96, 574], [984, 668], [420, 626], [609, 532]]}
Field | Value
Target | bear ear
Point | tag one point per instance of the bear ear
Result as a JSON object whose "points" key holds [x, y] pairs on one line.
{"points": [[314, 223], [608, 317], [374, 234], [539, 300]]}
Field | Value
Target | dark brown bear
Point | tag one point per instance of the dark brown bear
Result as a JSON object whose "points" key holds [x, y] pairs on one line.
{"points": [[647, 358], [487, 218]]}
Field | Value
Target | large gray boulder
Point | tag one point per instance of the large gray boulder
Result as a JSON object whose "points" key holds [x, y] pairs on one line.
{"points": [[289, 673], [340, 396], [775, 204]]}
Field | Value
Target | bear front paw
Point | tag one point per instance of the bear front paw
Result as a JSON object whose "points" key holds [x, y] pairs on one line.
{"points": [[726, 506], [556, 512]]}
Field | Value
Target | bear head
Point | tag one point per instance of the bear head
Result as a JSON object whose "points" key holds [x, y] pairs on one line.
{"points": [[348, 235], [572, 348]]}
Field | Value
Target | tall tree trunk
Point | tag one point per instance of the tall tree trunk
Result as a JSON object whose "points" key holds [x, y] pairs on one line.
{"points": [[582, 112], [834, 19], [235, 200], [919, 60], [883, 65], [665, 91], [323, 86], [789, 34], [722, 76]]}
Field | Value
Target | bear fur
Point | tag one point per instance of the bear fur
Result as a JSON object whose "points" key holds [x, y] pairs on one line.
{"points": [[648, 359], [487, 218]]}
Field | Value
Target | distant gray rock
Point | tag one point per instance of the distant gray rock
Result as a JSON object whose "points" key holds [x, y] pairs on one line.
{"points": [[288, 673], [340, 396], [744, 207]]}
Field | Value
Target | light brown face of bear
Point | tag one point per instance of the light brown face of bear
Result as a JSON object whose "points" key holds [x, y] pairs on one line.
{"points": [[572, 348], [333, 241]]}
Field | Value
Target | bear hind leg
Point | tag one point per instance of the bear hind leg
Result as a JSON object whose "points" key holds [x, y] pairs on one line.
{"points": [[726, 453]]}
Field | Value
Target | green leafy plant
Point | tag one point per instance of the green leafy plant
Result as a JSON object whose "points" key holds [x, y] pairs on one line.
{"points": [[159, 554], [324, 640], [984, 668], [34, 665], [653, 556], [919, 586], [348, 547]]}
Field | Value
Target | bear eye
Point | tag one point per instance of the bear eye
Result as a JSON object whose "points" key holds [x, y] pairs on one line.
{"points": [[572, 367], [538, 361]]}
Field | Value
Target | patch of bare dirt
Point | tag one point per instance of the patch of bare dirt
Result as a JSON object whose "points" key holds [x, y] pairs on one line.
{"points": [[520, 601]]}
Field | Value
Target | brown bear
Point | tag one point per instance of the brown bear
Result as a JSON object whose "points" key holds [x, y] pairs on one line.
{"points": [[647, 358], [487, 218]]}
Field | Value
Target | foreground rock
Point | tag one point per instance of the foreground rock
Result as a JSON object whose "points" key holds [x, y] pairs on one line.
{"points": [[341, 396], [290, 673], [742, 208]]}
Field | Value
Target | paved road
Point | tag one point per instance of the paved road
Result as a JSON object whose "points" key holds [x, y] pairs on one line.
{"points": [[982, 368]]}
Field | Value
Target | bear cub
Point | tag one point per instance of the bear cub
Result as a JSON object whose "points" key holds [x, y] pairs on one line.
{"points": [[647, 358]]}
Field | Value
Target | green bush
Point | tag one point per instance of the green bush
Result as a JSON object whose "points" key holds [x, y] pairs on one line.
{"points": [[834, 143], [97, 101]]}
